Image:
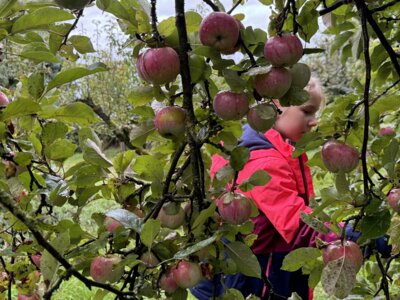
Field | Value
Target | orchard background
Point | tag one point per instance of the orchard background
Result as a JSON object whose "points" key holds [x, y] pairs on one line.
{"points": [[79, 148]]}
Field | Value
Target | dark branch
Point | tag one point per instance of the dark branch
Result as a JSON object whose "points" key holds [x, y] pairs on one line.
{"points": [[8, 203], [383, 7], [334, 6], [212, 5], [64, 42], [234, 7]]}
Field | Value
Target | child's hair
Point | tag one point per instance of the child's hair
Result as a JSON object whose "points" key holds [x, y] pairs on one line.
{"points": [[314, 88]]}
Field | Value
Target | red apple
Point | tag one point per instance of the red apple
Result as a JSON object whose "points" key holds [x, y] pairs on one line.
{"points": [[234, 208], [33, 296], [261, 117], [111, 224], [170, 122], [149, 259], [220, 31], [167, 282], [393, 199], [187, 274], [273, 84], [231, 106], [338, 156], [3, 100], [349, 250], [301, 75], [386, 131], [283, 50], [237, 45], [36, 260], [102, 269], [72, 4], [171, 220], [158, 65]]}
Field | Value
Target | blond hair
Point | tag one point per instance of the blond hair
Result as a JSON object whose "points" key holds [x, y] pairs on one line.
{"points": [[314, 88]]}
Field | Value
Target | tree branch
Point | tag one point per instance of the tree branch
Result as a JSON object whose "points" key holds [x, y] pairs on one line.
{"points": [[383, 7], [212, 5], [8, 203], [64, 42], [331, 8], [188, 99]]}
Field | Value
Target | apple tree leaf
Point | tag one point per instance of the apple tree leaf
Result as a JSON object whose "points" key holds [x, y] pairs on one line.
{"points": [[299, 258], [258, 178], [244, 258]]}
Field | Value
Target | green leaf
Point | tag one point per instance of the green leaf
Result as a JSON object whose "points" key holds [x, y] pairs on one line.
{"points": [[235, 82], [81, 43], [93, 155], [258, 178], [39, 18], [232, 294], [338, 278], [61, 149], [239, 157], [60, 193], [48, 264], [36, 85], [23, 158], [390, 157], [40, 56], [127, 219], [299, 258], [314, 223], [53, 131], [150, 231], [309, 141], [204, 215], [342, 184], [122, 161], [244, 258], [5, 6], [194, 248], [20, 107], [76, 112], [74, 74], [141, 95], [148, 168], [374, 226]]}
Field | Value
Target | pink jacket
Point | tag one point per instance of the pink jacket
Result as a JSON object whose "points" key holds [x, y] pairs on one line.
{"points": [[280, 201]]}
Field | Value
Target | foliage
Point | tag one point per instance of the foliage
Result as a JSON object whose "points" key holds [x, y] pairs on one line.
{"points": [[42, 128]]}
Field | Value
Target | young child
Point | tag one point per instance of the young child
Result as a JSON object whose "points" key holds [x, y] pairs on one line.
{"points": [[280, 202]]}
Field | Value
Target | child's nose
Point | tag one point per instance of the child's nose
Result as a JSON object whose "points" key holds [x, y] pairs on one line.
{"points": [[313, 122]]}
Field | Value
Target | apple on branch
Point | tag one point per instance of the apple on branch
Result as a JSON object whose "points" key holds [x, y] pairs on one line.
{"points": [[231, 106], [170, 122], [171, 216], [261, 117], [339, 157], [393, 199], [273, 84], [220, 31], [167, 281], [187, 274], [234, 208], [103, 269], [348, 250], [158, 65], [283, 50]]}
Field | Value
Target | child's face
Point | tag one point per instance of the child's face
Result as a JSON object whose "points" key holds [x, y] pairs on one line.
{"points": [[295, 121]]}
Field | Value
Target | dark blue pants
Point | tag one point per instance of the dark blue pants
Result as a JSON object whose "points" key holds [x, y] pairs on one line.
{"points": [[283, 283]]}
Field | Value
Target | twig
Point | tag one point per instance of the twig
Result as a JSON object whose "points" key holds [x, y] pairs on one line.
{"points": [[212, 5], [30, 223], [384, 282], [234, 7], [383, 7], [362, 8], [79, 15], [188, 99], [334, 6]]}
